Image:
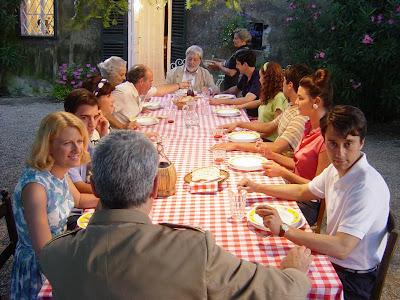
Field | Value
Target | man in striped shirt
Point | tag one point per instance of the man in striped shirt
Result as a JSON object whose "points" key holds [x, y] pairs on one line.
{"points": [[289, 125]]}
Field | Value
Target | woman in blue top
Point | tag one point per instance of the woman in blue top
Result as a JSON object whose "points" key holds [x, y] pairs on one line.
{"points": [[44, 196]]}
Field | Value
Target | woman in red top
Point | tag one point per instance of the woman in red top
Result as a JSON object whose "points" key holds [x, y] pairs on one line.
{"points": [[310, 158]]}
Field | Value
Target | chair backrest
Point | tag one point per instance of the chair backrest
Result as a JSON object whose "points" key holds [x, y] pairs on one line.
{"points": [[320, 217], [220, 79], [6, 212], [177, 63], [387, 256]]}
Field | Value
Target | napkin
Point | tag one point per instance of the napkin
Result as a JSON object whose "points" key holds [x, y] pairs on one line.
{"points": [[203, 187]]}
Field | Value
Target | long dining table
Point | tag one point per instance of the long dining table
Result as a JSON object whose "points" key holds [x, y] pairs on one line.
{"points": [[189, 148]]}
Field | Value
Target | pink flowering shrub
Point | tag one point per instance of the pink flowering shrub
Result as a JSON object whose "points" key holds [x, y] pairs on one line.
{"points": [[358, 41], [71, 77]]}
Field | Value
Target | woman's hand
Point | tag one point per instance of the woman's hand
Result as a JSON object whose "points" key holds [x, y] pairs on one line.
{"points": [[229, 127], [224, 146], [272, 169], [103, 125], [264, 151], [247, 185]]}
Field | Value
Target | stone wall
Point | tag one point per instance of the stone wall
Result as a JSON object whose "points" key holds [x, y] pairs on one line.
{"points": [[204, 27], [42, 56]]}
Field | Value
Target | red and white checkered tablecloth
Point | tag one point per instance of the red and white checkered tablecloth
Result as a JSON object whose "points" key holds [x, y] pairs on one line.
{"points": [[188, 148]]}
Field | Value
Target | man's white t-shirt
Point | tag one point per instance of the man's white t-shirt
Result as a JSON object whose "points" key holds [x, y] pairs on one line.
{"points": [[356, 204], [127, 101]]}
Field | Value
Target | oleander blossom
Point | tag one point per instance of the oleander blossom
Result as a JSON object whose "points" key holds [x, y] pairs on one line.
{"points": [[292, 6], [320, 55], [367, 40], [289, 19]]}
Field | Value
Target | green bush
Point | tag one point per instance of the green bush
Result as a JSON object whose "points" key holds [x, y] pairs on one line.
{"points": [[359, 42], [60, 92]]}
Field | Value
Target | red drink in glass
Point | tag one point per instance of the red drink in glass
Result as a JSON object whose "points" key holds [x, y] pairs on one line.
{"points": [[218, 160], [170, 121]]}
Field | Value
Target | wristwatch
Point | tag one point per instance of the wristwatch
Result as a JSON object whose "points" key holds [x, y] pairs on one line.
{"points": [[283, 229]]}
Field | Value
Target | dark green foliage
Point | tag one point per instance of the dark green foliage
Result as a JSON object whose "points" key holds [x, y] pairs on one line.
{"points": [[359, 42], [10, 49]]}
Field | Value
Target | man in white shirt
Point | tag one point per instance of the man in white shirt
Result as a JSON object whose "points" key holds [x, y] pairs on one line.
{"points": [[357, 204], [128, 95]]}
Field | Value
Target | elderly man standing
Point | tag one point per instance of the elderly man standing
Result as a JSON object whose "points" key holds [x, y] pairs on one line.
{"points": [[191, 71], [122, 255]]}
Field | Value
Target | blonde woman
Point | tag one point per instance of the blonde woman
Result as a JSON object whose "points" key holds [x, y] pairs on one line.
{"points": [[45, 194]]}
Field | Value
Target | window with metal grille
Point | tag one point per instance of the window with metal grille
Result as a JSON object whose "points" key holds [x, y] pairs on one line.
{"points": [[37, 18]]}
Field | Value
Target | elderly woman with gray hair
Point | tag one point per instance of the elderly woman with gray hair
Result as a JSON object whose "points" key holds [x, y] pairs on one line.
{"points": [[199, 77], [113, 69], [241, 40]]}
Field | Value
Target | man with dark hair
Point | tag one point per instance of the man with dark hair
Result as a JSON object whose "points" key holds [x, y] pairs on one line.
{"points": [[129, 95], [357, 204], [122, 255], [248, 85]]}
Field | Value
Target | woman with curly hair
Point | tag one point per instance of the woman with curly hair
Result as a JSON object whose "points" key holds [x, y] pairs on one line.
{"points": [[272, 100]]}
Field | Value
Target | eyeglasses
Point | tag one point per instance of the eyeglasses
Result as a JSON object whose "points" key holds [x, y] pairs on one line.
{"points": [[99, 86]]}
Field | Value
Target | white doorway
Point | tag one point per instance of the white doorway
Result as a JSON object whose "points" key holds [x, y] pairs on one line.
{"points": [[146, 37]]}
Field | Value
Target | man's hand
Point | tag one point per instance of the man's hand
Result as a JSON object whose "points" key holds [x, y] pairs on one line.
{"points": [[132, 126], [271, 218], [229, 127], [184, 85], [224, 146], [248, 185], [298, 258], [103, 126], [214, 101], [151, 135]]}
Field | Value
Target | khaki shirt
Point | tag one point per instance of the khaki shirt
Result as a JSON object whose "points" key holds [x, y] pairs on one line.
{"points": [[203, 78], [122, 255]]}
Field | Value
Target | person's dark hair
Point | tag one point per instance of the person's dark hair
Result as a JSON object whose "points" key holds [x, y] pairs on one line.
{"points": [[271, 72], [125, 164], [294, 73], [246, 56], [136, 73], [345, 120], [319, 85], [92, 85], [77, 98]]}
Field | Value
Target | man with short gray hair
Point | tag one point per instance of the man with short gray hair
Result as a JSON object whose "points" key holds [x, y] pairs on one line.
{"points": [[122, 255], [199, 77]]}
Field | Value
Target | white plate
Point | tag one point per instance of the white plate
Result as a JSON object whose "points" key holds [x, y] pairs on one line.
{"points": [[227, 112], [224, 96], [288, 215], [152, 105], [146, 121], [247, 162], [244, 136]]}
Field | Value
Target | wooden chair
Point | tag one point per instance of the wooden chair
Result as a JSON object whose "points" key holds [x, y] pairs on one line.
{"points": [[6, 212], [387, 256], [220, 79], [321, 213]]}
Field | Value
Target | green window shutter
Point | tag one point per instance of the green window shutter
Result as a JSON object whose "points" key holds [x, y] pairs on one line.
{"points": [[114, 39], [178, 26]]}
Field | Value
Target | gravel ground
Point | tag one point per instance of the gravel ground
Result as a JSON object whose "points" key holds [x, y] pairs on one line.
{"points": [[20, 117]]}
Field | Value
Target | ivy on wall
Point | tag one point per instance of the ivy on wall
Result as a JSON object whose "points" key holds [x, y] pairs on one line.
{"points": [[108, 10]]}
